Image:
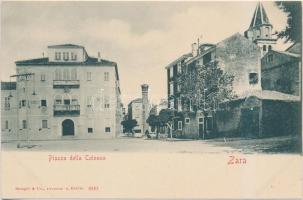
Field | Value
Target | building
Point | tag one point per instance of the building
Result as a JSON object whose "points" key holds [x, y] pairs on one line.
{"points": [[281, 70], [260, 30], [68, 94], [236, 55], [252, 112], [139, 109]]}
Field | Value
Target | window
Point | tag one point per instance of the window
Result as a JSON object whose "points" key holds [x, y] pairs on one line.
{"points": [[73, 56], [89, 101], [106, 76], [44, 123], [270, 58], [57, 55], [24, 124], [58, 101], [6, 124], [106, 102], [6, 103], [253, 78], [107, 129], [264, 47], [43, 103], [179, 104], [90, 130], [74, 101], [178, 88], [89, 76], [172, 104], [269, 47], [171, 88], [65, 56], [22, 103], [187, 120], [201, 120], [171, 72], [179, 69], [43, 77], [180, 125]]}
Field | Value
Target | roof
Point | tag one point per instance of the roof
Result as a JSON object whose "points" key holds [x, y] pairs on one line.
{"points": [[270, 95], [184, 56], [45, 61], [295, 48], [259, 17], [65, 46], [8, 85], [288, 53]]}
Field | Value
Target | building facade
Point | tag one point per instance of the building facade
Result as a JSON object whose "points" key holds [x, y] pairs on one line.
{"points": [[68, 94], [251, 113], [281, 71]]}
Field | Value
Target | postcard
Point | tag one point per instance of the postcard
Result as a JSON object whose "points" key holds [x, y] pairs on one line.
{"points": [[151, 100]]}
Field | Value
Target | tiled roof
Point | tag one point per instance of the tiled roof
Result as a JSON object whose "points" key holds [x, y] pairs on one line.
{"points": [[185, 56], [288, 53], [65, 46], [259, 17], [8, 85], [138, 100], [45, 61], [270, 95]]}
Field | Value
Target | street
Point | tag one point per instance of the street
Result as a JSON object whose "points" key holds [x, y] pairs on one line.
{"points": [[128, 144]]}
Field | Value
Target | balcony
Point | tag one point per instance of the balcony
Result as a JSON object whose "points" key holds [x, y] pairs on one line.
{"points": [[66, 84], [66, 110]]}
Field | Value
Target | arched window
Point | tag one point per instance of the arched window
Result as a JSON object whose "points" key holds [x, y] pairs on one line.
{"points": [[264, 47], [269, 47]]}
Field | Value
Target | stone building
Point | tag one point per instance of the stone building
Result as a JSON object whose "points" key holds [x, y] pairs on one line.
{"points": [[281, 70], [252, 113], [68, 94], [139, 109], [237, 56]]}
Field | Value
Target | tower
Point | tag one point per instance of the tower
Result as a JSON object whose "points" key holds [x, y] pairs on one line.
{"points": [[145, 106], [260, 30]]}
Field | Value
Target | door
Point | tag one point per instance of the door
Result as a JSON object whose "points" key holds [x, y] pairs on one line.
{"points": [[201, 127], [250, 122], [68, 127]]}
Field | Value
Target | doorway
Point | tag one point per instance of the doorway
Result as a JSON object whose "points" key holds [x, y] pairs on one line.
{"points": [[68, 127]]}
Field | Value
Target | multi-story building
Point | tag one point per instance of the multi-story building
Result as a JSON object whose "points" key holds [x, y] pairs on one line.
{"points": [[281, 70], [249, 113], [68, 94]]}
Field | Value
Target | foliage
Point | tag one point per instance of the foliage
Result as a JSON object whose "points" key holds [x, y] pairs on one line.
{"points": [[204, 86], [293, 29], [129, 125], [153, 121]]}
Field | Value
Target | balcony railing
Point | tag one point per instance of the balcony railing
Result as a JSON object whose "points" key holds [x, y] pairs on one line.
{"points": [[66, 84], [66, 110]]}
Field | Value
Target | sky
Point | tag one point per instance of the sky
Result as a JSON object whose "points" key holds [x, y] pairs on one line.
{"points": [[142, 37]]}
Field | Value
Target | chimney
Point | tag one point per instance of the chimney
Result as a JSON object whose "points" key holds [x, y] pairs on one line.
{"points": [[99, 56], [194, 49]]}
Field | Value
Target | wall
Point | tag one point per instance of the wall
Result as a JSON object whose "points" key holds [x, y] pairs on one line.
{"points": [[239, 56]]}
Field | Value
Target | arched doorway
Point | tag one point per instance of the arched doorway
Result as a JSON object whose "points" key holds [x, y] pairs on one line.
{"points": [[68, 127]]}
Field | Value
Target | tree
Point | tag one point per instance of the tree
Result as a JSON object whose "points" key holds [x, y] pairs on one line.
{"points": [[166, 118], [205, 86], [293, 29], [153, 121], [129, 124]]}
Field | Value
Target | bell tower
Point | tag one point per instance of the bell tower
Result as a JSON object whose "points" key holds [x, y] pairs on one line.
{"points": [[260, 30]]}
